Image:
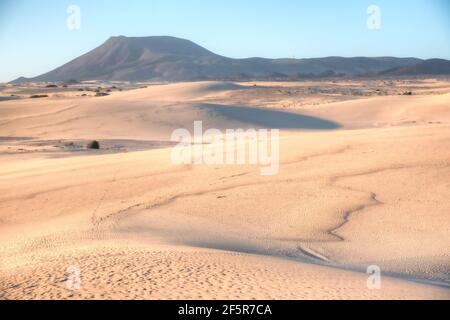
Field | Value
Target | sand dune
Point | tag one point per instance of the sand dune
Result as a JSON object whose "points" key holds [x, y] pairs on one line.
{"points": [[362, 182], [139, 114], [387, 111], [156, 111]]}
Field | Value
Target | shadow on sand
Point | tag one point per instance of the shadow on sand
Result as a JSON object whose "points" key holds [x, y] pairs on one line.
{"points": [[269, 118]]}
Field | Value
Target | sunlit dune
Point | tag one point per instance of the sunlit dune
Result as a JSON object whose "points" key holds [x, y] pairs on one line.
{"points": [[364, 180]]}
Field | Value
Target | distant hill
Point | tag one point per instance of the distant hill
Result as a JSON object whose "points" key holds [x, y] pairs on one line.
{"points": [[174, 59], [427, 67]]}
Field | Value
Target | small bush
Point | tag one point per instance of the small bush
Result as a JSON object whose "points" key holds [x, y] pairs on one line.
{"points": [[36, 96], [93, 145], [101, 94]]}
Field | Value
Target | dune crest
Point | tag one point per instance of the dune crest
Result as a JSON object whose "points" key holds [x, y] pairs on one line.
{"points": [[363, 181]]}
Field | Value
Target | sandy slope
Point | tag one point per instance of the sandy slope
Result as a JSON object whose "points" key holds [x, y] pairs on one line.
{"points": [[140, 227]]}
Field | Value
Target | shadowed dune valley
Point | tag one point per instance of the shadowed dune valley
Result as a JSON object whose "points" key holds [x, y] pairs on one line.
{"points": [[151, 168]]}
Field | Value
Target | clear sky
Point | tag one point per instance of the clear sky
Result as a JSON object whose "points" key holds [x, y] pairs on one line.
{"points": [[34, 37]]}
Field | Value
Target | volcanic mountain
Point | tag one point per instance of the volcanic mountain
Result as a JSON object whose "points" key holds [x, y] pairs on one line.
{"points": [[173, 59]]}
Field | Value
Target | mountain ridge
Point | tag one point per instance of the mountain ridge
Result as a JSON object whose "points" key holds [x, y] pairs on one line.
{"points": [[165, 58], [428, 67]]}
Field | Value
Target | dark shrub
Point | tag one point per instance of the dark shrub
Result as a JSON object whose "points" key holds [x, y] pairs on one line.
{"points": [[101, 94], [93, 145]]}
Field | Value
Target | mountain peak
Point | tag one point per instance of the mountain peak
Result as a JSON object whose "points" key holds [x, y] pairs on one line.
{"points": [[165, 45], [166, 58]]}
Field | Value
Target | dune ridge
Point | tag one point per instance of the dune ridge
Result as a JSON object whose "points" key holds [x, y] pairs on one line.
{"points": [[371, 190]]}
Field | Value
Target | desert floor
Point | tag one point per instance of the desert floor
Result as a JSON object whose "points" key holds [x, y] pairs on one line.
{"points": [[364, 180]]}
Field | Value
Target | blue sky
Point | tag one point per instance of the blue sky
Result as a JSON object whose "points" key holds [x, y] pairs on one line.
{"points": [[34, 37]]}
